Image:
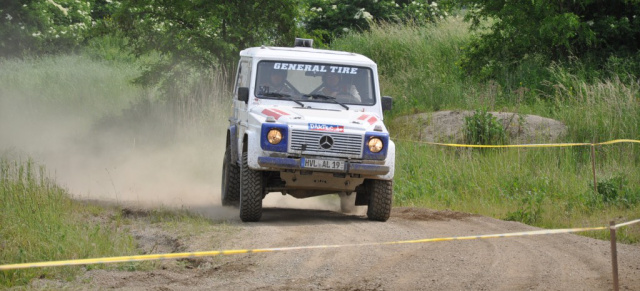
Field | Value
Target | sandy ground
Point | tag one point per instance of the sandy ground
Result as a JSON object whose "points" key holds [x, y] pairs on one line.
{"points": [[547, 262]]}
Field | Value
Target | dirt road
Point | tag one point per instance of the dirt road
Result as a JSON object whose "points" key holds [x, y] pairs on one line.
{"points": [[549, 262]]}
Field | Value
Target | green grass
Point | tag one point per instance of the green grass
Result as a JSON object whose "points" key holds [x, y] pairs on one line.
{"points": [[543, 187], [41, 223], [417, 64], [546, 187]]}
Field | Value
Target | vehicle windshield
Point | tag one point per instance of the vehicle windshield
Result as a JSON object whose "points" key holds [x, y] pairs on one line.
{"points": [[315, 82]]}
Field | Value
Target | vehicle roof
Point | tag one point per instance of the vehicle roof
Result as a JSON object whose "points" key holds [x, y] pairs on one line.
{"points": [[307, 55]]}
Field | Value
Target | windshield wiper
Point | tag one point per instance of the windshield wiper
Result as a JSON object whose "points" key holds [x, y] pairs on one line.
{"points": [[325, 97], [282, 96]]}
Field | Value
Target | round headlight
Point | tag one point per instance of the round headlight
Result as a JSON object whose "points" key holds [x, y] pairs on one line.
{"points": [[274, 136], [375, 145]]}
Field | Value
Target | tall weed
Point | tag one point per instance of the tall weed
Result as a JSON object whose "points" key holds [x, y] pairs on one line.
{"points": [[41, 223], [417, 63]]}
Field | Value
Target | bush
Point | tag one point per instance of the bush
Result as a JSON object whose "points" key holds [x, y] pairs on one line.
{"points": [[482, 128], [530, 210], [615, 191]]}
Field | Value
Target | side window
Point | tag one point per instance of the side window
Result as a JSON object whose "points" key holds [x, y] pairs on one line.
{"points": [[243, 76]]}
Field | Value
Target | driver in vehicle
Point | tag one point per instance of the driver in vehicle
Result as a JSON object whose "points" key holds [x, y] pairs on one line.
{"points": [[332, 86], [277, 84]]}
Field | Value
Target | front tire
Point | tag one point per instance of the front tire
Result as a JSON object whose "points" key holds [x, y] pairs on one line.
{"points": [[380, 200], [251, 189], [230, 192]]}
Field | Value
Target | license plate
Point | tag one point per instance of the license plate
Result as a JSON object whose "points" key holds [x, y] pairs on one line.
{"points": [[323, 164]]}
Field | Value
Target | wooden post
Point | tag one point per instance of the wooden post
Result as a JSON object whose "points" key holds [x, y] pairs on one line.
{"points": [[614, 255], [593, 166]]}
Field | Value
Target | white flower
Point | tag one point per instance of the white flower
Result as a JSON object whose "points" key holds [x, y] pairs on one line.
{"points": [[36, 34], [345, 29], [319, 9], [434, 4], [109, 1], [313, 9], [9, 17], [334, 7]]}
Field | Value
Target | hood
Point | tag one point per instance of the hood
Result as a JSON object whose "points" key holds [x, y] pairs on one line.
{"points": [[321, 120]]}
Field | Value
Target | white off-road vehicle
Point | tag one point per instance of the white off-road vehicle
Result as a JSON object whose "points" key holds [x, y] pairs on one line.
{"points": [[307, 122]]}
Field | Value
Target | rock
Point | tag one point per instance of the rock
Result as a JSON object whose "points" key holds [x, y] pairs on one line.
{"points": [[447, 126]]}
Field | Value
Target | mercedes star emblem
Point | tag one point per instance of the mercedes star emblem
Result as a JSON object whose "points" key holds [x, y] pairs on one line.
{"points": [[326, 142]]}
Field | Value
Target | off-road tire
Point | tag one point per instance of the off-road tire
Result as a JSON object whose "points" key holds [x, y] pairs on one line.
{"points": [[230, 192], [251, 188], [381, 198]]}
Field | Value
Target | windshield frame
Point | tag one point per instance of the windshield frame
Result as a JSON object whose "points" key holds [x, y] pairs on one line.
{"points": [[360, 77]]}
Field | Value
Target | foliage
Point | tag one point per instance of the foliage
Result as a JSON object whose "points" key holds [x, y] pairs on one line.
{"points": [[42, 26], [327, 20], [598, 31], [203, 34], [614, 190], [482, 128], [416, 63], [530, 209]]}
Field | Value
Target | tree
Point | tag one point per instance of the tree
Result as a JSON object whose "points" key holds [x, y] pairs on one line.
{"points": [[325, 20], [205, 33], [42, 26], [556, 30]]}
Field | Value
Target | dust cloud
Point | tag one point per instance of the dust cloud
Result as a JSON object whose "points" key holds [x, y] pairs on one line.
{"points": [[155, 165]]}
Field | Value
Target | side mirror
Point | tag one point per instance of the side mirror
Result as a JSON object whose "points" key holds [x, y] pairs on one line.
{"points": [[243, 94], [387, 103]]}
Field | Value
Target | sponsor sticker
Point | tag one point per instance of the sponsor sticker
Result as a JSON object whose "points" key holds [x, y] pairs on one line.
{"points": [[326, 127], [315, 68]]}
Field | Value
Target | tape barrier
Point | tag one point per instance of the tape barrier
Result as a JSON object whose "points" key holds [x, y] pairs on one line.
{"points": [[152, 257], [541, 145], [626, 223]]}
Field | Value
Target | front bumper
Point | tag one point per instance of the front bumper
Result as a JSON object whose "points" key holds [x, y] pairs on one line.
{"points": [[298, 164]]}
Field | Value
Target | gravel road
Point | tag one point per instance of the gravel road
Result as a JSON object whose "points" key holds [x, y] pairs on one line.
{"points": [[547, 262]]}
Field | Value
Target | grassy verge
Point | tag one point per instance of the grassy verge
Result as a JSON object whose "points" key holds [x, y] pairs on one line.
{"points": [[544, 187], [41, 223]]}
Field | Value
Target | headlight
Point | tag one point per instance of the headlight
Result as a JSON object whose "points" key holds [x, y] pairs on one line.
{"points": [[375, 145], [274, 136]]}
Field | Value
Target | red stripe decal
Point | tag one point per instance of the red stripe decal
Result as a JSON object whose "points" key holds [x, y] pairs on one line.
{"points": [[372, 120], [269, 112], [280, 111], [363, 117]]}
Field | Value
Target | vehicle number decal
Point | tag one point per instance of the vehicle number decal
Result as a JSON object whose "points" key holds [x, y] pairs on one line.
{"points": [[326, 127], [322, 164]]}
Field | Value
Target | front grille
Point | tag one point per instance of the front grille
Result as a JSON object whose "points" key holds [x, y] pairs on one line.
{"points": [[344, 145]]}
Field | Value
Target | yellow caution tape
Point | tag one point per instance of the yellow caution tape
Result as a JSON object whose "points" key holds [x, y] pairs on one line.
{"points": [[541, 145], [626, 223], [250, 251]]}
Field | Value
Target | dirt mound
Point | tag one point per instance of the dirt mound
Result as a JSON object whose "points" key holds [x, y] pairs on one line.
{"points": [[447, 126]]}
